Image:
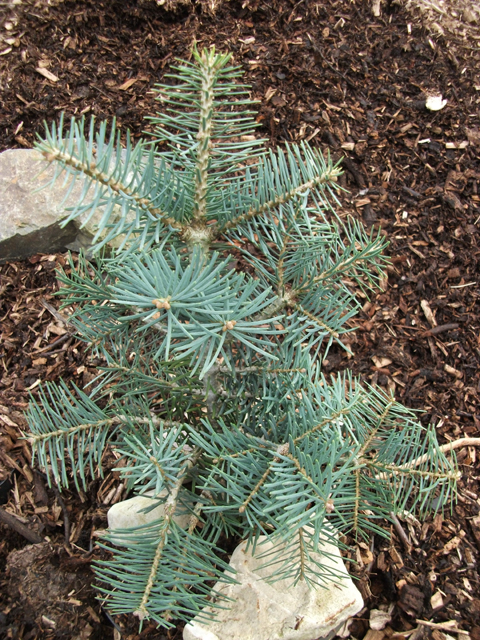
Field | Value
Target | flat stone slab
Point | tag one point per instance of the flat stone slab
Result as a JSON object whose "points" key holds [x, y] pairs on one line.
{"points": [[278, 611], [30, 219]]}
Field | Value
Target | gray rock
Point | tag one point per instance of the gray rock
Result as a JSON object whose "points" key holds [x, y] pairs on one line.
{"points": [[262, 611], [131, 514], [30, 219]]}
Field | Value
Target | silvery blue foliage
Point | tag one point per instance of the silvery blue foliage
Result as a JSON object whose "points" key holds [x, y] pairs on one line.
{"points": [[211, 384]]}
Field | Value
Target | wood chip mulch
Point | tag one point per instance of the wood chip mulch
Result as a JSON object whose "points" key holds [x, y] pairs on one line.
{"points": [[355, 85]]}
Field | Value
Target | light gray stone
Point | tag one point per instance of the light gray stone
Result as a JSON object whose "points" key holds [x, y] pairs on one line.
{"points": [[278, 611], [30, 219], [130, 514]]}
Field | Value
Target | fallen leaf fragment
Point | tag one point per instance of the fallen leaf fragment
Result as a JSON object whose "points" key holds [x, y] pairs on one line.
{"points": [[8, 422], [396, 557], [47, 74], [50, 624], [452, 371], [436, 601], [376, 8], [127, 84], [381, 363], [270, 92]]}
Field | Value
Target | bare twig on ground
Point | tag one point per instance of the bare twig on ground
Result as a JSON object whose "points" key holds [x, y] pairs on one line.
{"points": [[401, 533], [19, 527], [445, 448]]}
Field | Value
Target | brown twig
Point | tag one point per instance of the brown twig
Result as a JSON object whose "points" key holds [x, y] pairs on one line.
{"points": [[401, 533], [66, 521], [19, 527], [440, 329], [55, 343], [58, 316], [445, 448]]}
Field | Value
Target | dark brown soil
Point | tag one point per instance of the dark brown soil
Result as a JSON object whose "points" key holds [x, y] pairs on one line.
{"points": [[331, 73]]}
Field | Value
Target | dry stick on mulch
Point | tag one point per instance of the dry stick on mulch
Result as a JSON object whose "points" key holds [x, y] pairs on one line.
{"points": [[400, 531], [57, 315], [443, 626], [14, 523], [440, 329], [445, 448]]}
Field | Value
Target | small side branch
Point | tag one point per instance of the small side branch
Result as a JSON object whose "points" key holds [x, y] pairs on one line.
{"points": [[356, 508], [282, 450], [323, 178], [333, 418], [170, 507], [72, 431], [204, 135], [109, 422], [313, 318], [365, 446]]}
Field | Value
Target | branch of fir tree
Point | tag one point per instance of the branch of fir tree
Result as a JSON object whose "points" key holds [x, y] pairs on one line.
{"points": [[192, 524], [38, 438], [208, 69], [154, 379], [361, 453], [374, 432], [302, 553], [282, 450], [346, 266], [397, 470], [260, 443], [332, 419], [280, 270], [328, 503], [170, 506], [313, 318], [91, 171], [77, 429], [270, 205], [258, 369]]}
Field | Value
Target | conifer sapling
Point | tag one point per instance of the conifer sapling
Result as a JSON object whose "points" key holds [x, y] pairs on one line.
{"points": [[230, 280]]}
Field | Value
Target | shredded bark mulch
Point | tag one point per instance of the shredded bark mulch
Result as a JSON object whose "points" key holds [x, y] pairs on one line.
{"points": [[332, 73]]}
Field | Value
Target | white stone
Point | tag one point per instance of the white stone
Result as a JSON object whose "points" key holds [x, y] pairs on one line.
{"points": [[435, 103], [262, 611], [130, 514], [30, 219]]}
